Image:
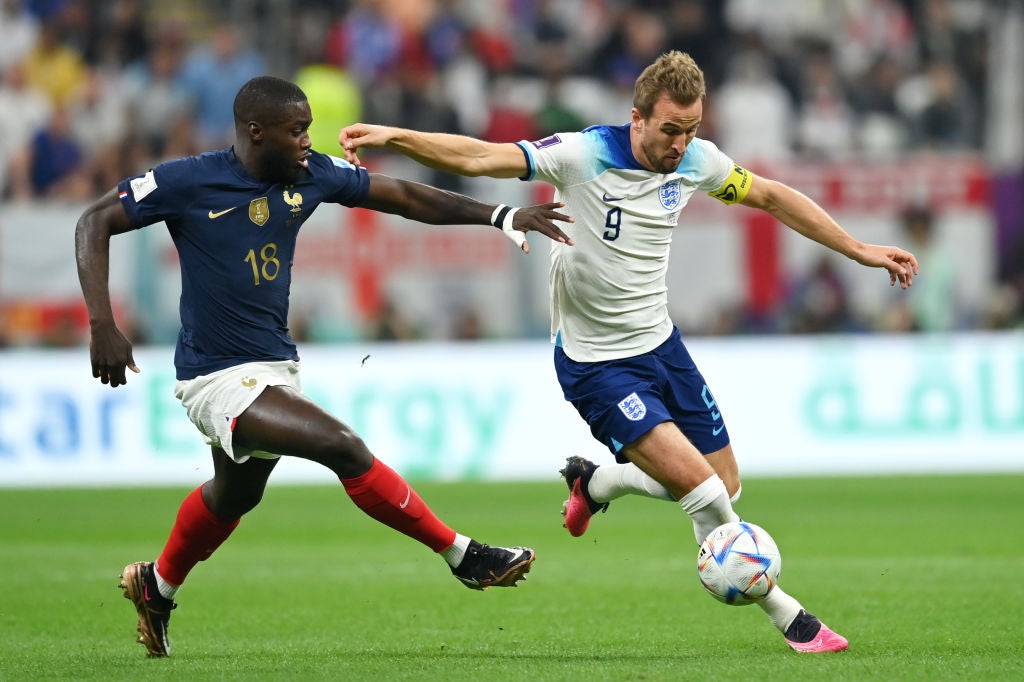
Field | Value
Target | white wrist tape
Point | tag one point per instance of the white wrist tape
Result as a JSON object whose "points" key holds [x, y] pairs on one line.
{"points": [[502, 219]]}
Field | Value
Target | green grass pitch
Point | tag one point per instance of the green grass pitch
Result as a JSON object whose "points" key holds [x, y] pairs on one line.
{"points": [[924, 575]]}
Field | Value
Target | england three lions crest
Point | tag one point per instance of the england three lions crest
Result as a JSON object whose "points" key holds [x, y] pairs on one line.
{"points": [[670, 195], [633, 407]]}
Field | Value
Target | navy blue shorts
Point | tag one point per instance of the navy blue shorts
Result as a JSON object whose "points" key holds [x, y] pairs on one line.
{"points": [[624, 399]]}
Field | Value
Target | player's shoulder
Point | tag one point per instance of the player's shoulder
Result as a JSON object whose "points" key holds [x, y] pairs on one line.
{"points": [[207, 165], [702, 156], [217, 158], [611, 146], [607, 135], [591, 151], [703, 145], [336, 180], [606, 145], [598, 134], [328, 170], [328, 162], [619, 133]]}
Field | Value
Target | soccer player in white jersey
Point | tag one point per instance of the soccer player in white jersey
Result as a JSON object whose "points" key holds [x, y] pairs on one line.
{"points": [[619, 359]]}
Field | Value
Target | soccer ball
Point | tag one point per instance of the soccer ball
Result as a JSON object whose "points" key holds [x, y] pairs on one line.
{"points": [[738, 563]]}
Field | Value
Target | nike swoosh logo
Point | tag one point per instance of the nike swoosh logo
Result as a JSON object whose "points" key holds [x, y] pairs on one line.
{"points": [[605, 197], [220, 213], [717, 430], [813, 645], [408, 496]]}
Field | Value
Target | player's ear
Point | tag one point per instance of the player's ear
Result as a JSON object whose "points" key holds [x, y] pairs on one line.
{"points": [[255, 130], [636, 118]]}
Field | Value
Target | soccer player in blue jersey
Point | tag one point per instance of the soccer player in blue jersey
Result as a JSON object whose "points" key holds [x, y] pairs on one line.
{"points": [[618, 357], [234, 216]]}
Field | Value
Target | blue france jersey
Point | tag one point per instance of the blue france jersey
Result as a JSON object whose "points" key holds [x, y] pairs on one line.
{"points": [[235, 238]]}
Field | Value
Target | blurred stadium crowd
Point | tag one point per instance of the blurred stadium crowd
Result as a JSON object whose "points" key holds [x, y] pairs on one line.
{"points": [[95, 90]]}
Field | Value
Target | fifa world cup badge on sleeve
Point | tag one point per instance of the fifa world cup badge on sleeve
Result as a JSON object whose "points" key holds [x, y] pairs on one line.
{"points": [[143, 186]]}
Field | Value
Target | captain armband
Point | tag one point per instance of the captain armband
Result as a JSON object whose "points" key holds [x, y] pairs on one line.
{"points": [[501, 218], [735, 188]]}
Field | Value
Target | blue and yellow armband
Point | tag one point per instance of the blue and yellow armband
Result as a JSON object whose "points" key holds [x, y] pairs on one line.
{"points": [[735, 187]]}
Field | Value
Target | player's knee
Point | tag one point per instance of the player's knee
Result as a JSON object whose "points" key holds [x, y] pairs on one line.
{"points": [[248, 500], [344, 451], [346, 443], [733, 487], [229, 505]]}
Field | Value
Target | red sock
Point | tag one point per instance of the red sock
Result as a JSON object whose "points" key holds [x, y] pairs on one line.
{"points": [[385, 496], [195, 536]]}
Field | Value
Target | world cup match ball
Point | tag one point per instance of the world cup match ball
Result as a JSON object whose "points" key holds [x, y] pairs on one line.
{"points": [[738, 563]]}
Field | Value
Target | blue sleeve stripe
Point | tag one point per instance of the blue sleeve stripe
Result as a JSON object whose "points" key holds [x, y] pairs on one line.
{"points": [[531, 168]]}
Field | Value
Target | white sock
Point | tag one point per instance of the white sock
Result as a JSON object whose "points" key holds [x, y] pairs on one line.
{"points": [[708, 507], [166, 589], [454, 554], [611, 481], [780, 607]]}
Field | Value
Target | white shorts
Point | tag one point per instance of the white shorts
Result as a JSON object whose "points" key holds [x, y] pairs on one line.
{"points": [[214, 401]]}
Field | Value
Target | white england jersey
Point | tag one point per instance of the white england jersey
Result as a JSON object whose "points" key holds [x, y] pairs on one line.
{"points": [[608, 294]]}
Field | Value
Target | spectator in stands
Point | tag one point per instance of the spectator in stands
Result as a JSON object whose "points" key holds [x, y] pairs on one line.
{"points": [[117, 34], [98, 123], [365, 41], [933, 303], [23, 112], [391, 324], [467, 325], [223, 64], [696, 26], [52, 67], [19, 31], [52, 165], [158, 100], [883, 130], [915, 74], [819, 303], [638, 37], [825, 129], [753, 111], [336, 98], [948, 120]]}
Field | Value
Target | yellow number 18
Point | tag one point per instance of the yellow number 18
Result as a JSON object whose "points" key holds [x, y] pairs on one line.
{"points": [[270, 265]]}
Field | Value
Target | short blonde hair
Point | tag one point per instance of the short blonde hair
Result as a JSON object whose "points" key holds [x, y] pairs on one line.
{"points": [[673, 73]]}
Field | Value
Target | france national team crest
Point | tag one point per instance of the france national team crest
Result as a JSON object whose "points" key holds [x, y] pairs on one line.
{"points": [[633, 407], [669, 195]]}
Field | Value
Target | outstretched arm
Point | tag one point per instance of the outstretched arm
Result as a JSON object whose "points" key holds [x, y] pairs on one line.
{"points": [[802, 214], [435, 206], [452, 153], [109, 350]]}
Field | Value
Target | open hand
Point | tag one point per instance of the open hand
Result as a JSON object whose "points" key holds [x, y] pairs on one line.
{"points": [[540, 218]]}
